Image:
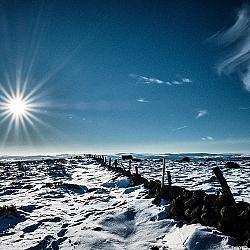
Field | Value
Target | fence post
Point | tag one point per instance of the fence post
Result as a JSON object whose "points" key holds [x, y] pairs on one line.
{"points": [[169, 178], [163, 172], [115, 163], [109, 166], [225, 188], [136, 169]]}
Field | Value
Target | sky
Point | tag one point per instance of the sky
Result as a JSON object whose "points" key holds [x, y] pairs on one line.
{"points": [[124, 76]]}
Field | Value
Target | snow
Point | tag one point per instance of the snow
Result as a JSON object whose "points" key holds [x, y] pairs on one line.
{"points": [[197, 237], [89, 207]]}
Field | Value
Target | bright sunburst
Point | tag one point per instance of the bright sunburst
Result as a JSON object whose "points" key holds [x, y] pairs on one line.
{"points": [[19, 109]]}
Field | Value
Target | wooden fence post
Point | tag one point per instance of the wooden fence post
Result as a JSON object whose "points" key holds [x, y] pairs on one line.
{"points": [[136, 169], [225, 188], [169, 178], [163, 172], [109, 165]]}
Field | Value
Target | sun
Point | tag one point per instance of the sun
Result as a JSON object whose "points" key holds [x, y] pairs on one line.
{"points": [[17, 107], [20, 112]]}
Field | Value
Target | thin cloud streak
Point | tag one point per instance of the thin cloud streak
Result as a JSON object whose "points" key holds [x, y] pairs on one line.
{"points": [[186, 80], [244, 108], [177, 82], [154, 81], [179, 128], [207, 138], [201, 113], [142, 100], [237, 39]]}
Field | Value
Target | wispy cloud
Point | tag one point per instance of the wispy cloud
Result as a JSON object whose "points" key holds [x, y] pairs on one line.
{"points": [[177, 82], [201, 113], [186, 80], [155, 81], [207, 138], [237, 39], [179, 128], [244, 108], [141, 99]]}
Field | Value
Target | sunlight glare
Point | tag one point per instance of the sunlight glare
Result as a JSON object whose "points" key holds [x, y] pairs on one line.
{"points": [[19, 111], [17, 107]]}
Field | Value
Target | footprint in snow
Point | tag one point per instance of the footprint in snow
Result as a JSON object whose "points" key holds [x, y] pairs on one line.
{"points": [[45, 243], [62, 232], [33, 227]]}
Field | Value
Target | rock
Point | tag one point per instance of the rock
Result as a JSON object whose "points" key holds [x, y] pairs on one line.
{"points": [[213, 178], [195, 200], [231, 164], [151, 184], [241, 205], [243, 210], [209, 159], [238, 229], [164, 192], [209, 218], [228, 213], [248, 227], [185, 159], [127, 157], [187, 213], [222, 201], [199, 195], [176, 211], [137, 179], [247, 234], [11, 210], [195, 221], [209, 200], [191, 203], [245, 214], [180, 223], [196, 213], [177, 201], [154, 248], [186, 194], [145, 184], [97, 229], [222, 226], [157, 200], [137, 160], [154, 187], [247, 242], [177, 218], [175, 191]]}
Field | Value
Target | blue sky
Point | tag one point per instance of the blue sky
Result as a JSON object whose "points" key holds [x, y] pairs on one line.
{"points": [[112, 76]]}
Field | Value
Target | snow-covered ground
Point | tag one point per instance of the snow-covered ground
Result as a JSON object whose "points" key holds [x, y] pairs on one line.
{"points": [[79, 205]]}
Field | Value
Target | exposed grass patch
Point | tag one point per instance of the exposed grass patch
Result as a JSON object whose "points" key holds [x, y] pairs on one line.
{"points": [[5, 210]]}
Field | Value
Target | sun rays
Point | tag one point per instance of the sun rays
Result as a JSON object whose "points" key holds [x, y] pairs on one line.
{"points": [[27, 110], [17, 107], [19, 112]]}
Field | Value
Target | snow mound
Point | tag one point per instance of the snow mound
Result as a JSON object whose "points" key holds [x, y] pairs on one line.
{"points": [[197, 237]]}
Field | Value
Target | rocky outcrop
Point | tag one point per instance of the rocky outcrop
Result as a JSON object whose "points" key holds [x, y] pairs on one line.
{"points": [[232, 164]]}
